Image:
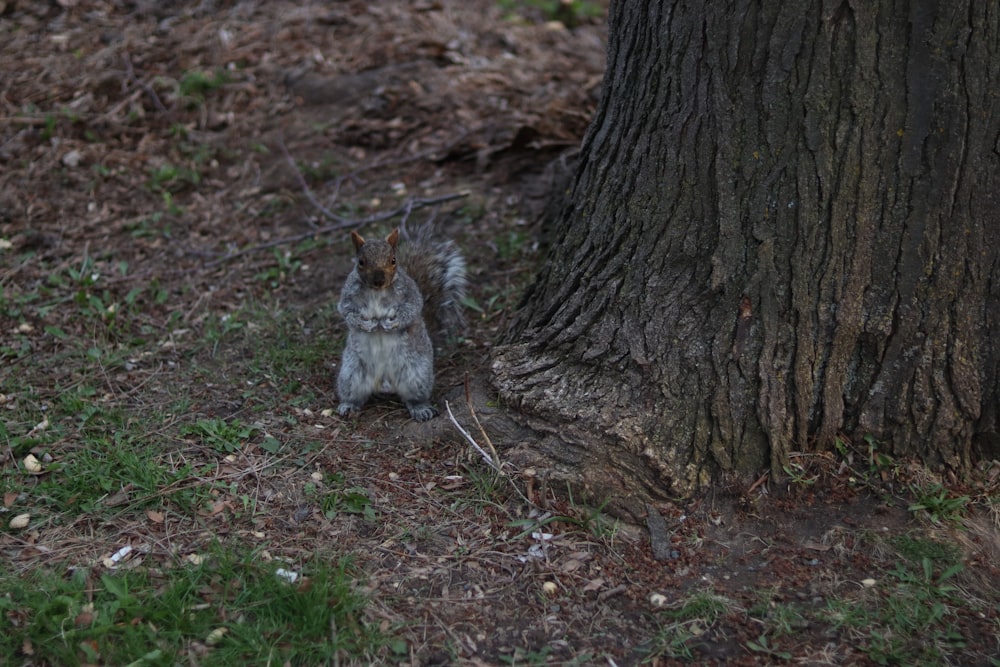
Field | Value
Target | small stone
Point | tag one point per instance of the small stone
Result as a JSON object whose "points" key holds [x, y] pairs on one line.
{"points": [[72, 159]]}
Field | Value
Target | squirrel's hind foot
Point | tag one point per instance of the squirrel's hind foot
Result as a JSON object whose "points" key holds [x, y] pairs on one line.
{"points": [[348, 410], [421, 412]]}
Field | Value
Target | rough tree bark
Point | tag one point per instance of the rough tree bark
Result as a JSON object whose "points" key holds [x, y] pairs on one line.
{"points": [[783, 230]]}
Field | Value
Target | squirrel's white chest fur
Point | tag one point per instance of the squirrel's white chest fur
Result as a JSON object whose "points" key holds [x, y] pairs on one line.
{"points": [[384, 353]]}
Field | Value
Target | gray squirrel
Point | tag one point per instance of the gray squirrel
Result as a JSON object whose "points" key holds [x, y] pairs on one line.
{"points": [[383, 303]]}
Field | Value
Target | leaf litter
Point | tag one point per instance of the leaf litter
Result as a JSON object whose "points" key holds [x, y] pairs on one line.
{"points": [[170, 199]]}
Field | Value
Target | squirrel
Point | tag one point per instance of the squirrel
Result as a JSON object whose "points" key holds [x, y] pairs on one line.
{"points": [[383, 301]]}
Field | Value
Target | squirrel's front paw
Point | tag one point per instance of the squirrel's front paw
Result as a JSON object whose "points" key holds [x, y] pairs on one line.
{"points": [[389, 323], [367, 325]]}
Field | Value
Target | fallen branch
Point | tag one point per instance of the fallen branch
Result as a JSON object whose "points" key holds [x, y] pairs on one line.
{"points": [[410, 204], [325, 210], [306, 190]]}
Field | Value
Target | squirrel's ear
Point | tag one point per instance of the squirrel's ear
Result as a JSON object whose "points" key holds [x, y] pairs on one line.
{"points": [[358, 240], [393, 238]]}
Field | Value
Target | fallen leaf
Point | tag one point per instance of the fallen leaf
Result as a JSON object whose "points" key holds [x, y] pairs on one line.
{"points": [[121, 497], [453, 482], [154, 516], [217, 507]]}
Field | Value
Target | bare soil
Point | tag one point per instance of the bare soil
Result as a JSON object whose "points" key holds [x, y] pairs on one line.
{"points": [[215, 153]]}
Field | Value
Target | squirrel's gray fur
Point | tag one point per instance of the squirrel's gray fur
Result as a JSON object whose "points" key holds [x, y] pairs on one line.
{"points": [[388, 346]]}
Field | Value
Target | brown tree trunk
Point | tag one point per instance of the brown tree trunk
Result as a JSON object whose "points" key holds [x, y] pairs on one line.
{"points": [[783, 230]]}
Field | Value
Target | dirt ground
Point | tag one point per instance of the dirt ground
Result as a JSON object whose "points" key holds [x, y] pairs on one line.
{"points": [[215, 153]]}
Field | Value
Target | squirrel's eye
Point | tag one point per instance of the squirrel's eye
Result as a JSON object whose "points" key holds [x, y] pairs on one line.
{"points": [[394, 261], [361, 262]]}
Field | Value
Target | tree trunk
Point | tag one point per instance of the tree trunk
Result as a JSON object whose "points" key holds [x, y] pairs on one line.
{"points": [[782, 231]]}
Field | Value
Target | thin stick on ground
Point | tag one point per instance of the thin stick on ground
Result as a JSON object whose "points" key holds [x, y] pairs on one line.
{"points": [[306, 190], [410, 204], [130, 74], [492, 458], [338, 222], [491, 461], [482, 431]]}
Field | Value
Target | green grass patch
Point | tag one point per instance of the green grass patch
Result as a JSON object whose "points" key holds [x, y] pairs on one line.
{"points": [[909, 618], [220, 434], [110, 472], [683, 622], [939, 505], [570, 12], [195, 85], [289, 354], [232, 609]]}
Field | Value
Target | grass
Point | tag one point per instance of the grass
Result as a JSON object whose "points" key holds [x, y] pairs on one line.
{"points": [[571, 12], [938, 504], [230, 608], [684, 622], [906, 617], [87, 451], [130, 446], [909, 616], [346, 500]]}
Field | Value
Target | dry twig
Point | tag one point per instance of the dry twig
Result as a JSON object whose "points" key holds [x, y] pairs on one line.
{"points": [[482, 431], [491, 461], [407, 206], [130, 74]]}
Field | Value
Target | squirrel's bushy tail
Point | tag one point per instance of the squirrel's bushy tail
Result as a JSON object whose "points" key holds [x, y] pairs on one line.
{"points": [[438, 268]]}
